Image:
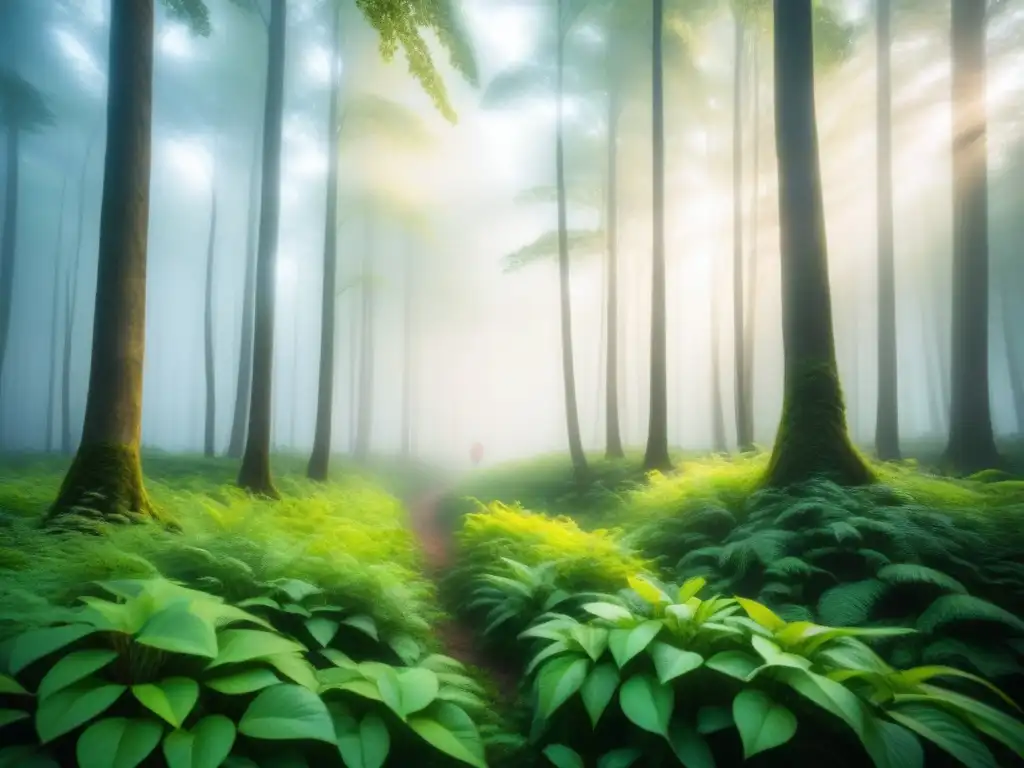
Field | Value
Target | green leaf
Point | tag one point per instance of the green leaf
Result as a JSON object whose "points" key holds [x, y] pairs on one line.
{"points": [[598, 689], [322, 630], [827, 694], [762, 722], [593, 640], [608, 611], [246, 681], [689, 746], [553, 649], [557, 681], [647, 703], [8, 716], [179, 630], [239, 645], [406, 648], [990, 721], [619, 758], [451, 731], [172, 699], [296, 589], [66, 710], [295, 668], [761, 614], [25, 756], [287, 712], [563, 756], [737, 664], [418, 688], [72, 668], [644, 587], [362, 744], [363, 623], [892, 746], [690, 588], [775, 657], [625, 644], [36, 643], [714, 719], [918, 675], [8, 685], [671, 662], [118, 742], [207, 745], [946, 731]]}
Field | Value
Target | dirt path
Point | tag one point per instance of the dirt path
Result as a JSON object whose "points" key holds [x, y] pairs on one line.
{"points": [[459, 640]]}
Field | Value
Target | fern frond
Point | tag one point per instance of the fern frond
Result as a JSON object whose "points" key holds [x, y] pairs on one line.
{"points": [[988, 660], [955, 609], [850, 604], [908, 573]]}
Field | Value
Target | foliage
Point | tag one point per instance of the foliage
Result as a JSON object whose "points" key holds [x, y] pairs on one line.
{"points": [[22, 106], [585, 243], [665, 673]]}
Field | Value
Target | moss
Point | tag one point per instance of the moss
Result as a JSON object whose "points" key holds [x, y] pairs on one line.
{"points": [[812, 440], [104, 484]]}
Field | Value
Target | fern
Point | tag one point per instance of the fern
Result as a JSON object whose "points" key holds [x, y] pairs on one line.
{"points": [[844, 532], [763, 547], [989, 661], [906, 573], [804, 514], [791, 567], [699, 556], [850, 604], [954, 609], [713, 521]]}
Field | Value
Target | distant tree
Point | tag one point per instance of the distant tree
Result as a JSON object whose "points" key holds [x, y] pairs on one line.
{"points": [[22, 110], [51, 393], [812, 438], [210, 422]]}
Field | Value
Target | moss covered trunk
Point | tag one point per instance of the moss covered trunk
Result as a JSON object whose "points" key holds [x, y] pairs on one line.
{"points": [[656, 456], [320, 456], [887, 417], [812, 438], [971, 445], [254, 474], [105, 477]]}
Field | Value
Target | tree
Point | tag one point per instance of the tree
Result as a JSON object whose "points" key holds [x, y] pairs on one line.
{"points": [[210, 424], [105, 477], [971, 445], [887, 428], [22, 110], [812, 438], [51, 394]]}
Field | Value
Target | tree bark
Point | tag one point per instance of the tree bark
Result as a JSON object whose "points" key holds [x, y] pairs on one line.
{"points": [[812, 438], [254, 474], [744, 436], [1014, 364], [887, 423], [51, 394], [243, 385], [656, 455], [719, 444], [319, 458], [364, 418], [971, 444], [105, 477], [210, 423], [355, 335], [572, 418], [613, 433], [8, 241], [750, 324]]}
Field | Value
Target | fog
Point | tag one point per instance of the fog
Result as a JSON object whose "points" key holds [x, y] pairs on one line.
{"points": [[451, 203]]}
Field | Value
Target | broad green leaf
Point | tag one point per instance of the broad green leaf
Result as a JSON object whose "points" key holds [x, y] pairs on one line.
{"points": [[8, 685], [689, 746], [827, 694], [296, 589], [72, 668], [557, 681], [648, 591], [598, 689], [946, 731], [295, 668], [296, 610], [172, 699], [990, 721], [775, 657], [762, 614], [918, 675], [690, 588], [74, 706], [362, 744], [647, 703], [322, 630], [239, 645], [25, 756], [246, 681], [406, 648], [892, 746], [339, 659], [118, 742], [363, 623], [714, 719], [8, 716], [259, 602], [625, 644], [593, 640], [553, 649], [671, 662], [737, 664], [126, 618], [179, 630], [763, 723], [619, 758], [287, 712], [562, 756], [206, 745], [608, 611], [36, 643], [450, 730], [418, 688]]}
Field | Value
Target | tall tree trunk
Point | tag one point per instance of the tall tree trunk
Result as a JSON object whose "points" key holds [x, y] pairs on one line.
{"points": [[407, 354], [719, 443], [243, 384], [254, 474], [210, 424], [319, 458], [656, 455], [887, 424], [812, 439], [572, 418], [744, 436], [355, 335], [8, 242], [613, 433], [106, 474], [1014, 363], [293, 409], [972, 444], [935, 369], [364, 419], [51, 394], [750, 313]]}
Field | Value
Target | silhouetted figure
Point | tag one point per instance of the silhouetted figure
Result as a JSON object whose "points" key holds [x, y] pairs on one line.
{"points": [[476, 454]]}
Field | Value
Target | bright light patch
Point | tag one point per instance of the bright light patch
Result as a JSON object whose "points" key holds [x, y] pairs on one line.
{"points": [[190, 161], [287, 272], [84, 64], [506, 33], [318, 64], [175, 43]]}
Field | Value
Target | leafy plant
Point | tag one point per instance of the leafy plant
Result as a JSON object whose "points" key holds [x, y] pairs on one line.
{"points": [[724, 679]]}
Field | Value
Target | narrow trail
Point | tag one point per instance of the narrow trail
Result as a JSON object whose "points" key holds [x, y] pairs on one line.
{"points": [[459, 639]]}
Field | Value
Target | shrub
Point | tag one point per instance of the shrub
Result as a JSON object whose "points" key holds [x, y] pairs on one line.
{"points": [[723, 679]]}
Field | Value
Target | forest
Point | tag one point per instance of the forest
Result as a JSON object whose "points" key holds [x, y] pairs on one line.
{"points": [[511, 383]]}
